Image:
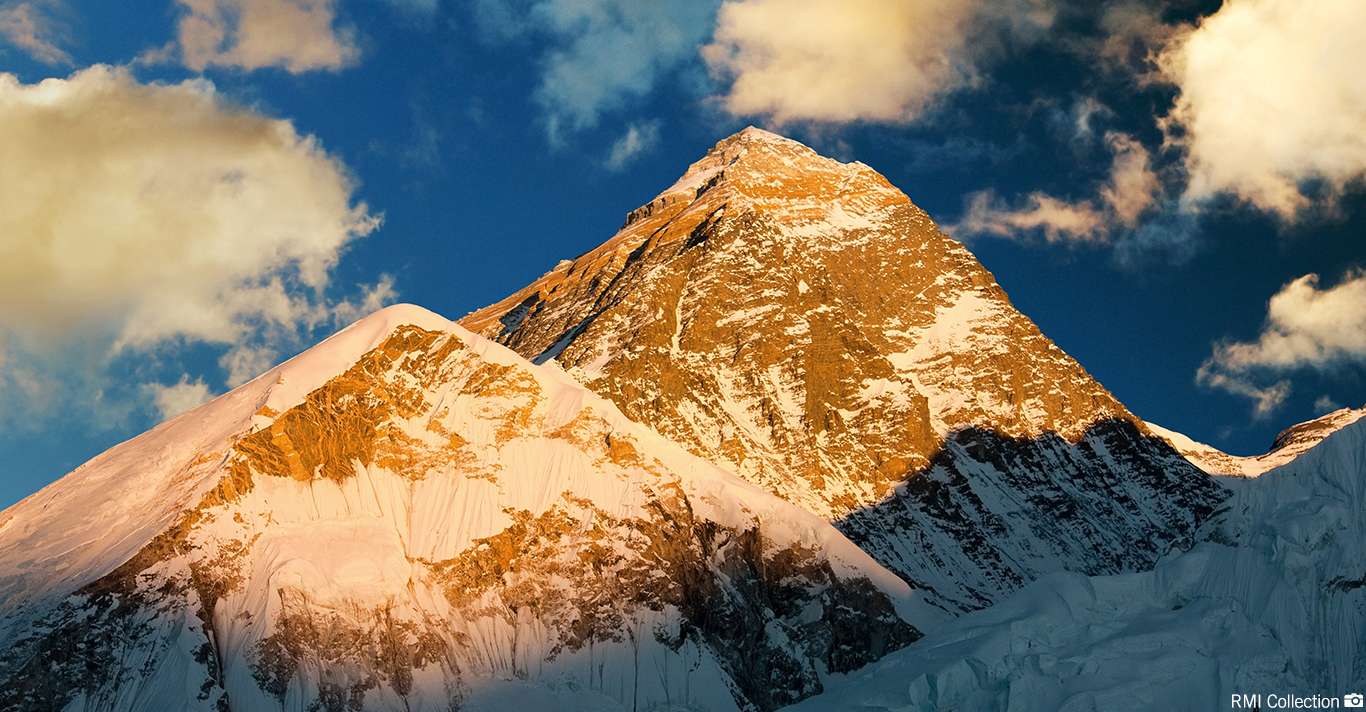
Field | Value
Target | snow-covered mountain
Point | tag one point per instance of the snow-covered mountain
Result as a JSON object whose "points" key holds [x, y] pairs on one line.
{"points": [[410, 517], [799, 321], [1272, 600], [777, 428], [1288, 445]]}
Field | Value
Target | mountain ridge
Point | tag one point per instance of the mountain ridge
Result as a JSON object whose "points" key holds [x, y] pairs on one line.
{"points": [[1288, 444]]}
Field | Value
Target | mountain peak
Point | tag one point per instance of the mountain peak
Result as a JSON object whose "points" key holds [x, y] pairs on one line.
{"points": [[755, 135], [847, 297]]}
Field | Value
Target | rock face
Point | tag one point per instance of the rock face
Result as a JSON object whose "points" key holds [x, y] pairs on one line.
{"points": [[1288, 445], [411, 517], [799, 321]]}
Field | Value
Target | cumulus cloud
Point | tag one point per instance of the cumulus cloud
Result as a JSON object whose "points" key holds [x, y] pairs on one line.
{"points": [[1259, 124], [179, 397], [1131, 189], [1306, 327], [244, 362], [295, 35], [847, 60], [162, 209], [28, 27], [639, 138], [136, 215], [598, 54], [1132, 31]]}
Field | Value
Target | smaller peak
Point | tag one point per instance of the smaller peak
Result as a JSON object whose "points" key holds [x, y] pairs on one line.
{"points": [[403, 314], [369, 331], [1303, 435]]}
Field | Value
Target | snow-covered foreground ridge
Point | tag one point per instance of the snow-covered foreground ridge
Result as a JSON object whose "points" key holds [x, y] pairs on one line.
{"points": [[1273, 600], [409, 516]]}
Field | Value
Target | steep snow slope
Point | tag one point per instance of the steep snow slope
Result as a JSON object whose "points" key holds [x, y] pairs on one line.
{"points": [[799, 321], [1288, 445], [410, 517], [94, 519], [1273, 600]]}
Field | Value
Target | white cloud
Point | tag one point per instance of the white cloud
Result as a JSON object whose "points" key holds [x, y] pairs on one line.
{"points": [[1057, 220], [598, 54], [1306, 327], [848, 60], [179, 397], [139, 215], [1132, 31], [1130, 190], [639, 138], [1084, 113], [1271, 95], [26, 26], [161, 210], [295, 35]]}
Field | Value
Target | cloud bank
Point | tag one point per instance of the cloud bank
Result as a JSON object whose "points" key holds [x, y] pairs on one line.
{"points": [[1258, 123], [138, 215]]}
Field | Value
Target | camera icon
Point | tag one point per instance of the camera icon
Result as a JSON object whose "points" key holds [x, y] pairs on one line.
{"points": [[1354, 699]]}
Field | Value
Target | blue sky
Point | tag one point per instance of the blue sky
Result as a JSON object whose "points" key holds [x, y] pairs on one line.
{"points": [[1132, 189]]}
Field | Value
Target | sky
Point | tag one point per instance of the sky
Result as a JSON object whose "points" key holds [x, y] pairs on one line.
{"points": [[194, 190]]}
